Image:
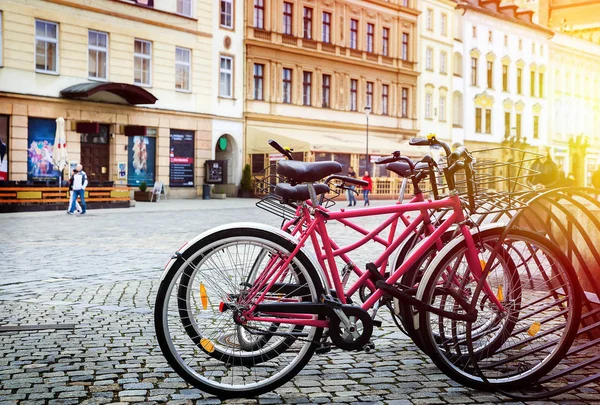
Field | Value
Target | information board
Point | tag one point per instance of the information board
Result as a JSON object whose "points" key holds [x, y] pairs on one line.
{"points": [[181, 155]]}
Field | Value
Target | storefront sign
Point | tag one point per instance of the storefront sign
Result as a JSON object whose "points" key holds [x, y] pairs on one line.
{"points": [[41, 133], [181, 156], [141, 160]]}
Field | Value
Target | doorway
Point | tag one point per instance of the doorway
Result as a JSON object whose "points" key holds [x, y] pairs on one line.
{"points": [[95, 155]]}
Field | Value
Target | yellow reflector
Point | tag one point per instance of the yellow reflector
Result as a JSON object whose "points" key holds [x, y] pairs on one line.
{"points": [[500, 294], [482, 263], [207, 345], [534, 329], [203, 296], [430, 136]]}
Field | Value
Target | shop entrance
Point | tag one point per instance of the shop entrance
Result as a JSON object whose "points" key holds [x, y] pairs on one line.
{"points": [[95, 155]]}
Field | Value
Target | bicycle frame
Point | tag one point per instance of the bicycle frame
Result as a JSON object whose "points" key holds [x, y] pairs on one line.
{"points": [[317, 226]]}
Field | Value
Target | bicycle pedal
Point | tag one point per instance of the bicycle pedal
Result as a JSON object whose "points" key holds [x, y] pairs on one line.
{"points": [[369, 347], [377, 323], [323, 349]]}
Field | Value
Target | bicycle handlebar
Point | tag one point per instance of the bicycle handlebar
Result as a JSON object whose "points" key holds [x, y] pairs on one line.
{"points": [[286, 152], [347, 179], [430, 141]]}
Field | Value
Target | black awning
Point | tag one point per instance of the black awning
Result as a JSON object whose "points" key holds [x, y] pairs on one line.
{"points": [[109, 92]]}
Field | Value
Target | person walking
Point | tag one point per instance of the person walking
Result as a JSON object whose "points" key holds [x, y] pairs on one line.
{"points": [[351, 196], [72, 194], [80, 182], [545, 170], [368, 188]]}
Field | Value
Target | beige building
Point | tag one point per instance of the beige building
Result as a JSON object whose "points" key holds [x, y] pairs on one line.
{"points": [[312, 68], [133, 80]]}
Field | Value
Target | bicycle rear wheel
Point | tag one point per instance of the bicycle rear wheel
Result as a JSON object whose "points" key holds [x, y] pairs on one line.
{"points": [[512, 348], [202, 341]]}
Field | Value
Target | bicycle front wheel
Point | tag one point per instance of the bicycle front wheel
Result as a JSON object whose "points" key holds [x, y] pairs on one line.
{"points": [[211, 347]]}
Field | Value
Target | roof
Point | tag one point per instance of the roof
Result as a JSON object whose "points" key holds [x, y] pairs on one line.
{"points": [[97, 91]]}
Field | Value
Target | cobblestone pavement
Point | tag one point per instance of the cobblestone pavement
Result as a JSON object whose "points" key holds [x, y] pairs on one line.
{"points": [[100, 272]]}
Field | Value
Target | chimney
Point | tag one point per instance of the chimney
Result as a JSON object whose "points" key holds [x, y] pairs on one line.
{"points": [[509, 10], [525, 15], [490, 4]]}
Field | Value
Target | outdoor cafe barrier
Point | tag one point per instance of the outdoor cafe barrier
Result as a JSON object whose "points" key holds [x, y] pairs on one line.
{"points": [[11, 196]]}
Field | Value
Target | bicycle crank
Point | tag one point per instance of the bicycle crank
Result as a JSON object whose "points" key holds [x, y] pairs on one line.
{"points": [[354, 332]]}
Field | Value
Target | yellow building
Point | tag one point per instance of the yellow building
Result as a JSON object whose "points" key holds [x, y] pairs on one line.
{"points": [[133, 79], [312, 68]]}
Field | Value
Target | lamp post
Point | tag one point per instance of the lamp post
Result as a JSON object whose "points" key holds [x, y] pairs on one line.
{"points": [[367, 112]]}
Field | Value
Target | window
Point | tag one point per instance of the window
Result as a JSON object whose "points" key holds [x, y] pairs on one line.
{"points": [[429, 59], [506, 40], [227, 13], [326, 102], [369, 100], [259, 78], [541, 86], [308, 13], [444, 24], [443, 108], [306, 88], [520, 44], [477, 119], [490, 36], [533, 48], [46, 46], [519, 81], [385, 92], [473, 71], [430, 19], [370, 33], [326, 27], [184, 7], [142, 62], [504, 78], [405, 3], [226, 80], [490, 74], [385, 42], [518, 124], [404, 55], [488, 121], [428, 106], [443, 63], [287, 18], [404, 105], [474, 32], [97, 55], [532, 83], [183, 63], [0, 37], [353, 94], [259, 14], [353, 33], [287, 85], [506, 124], [536, 127]]}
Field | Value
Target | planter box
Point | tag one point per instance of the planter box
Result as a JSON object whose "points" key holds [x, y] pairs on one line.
{"points": [[245, 193], [142, 195]]}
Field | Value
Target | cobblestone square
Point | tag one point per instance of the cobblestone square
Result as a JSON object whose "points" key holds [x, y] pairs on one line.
{"points": [[100, 273]]}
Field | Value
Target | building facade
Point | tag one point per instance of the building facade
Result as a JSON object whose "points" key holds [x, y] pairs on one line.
{"points": [[500, 76], [134, 81], [313, 70], [436, 40]]}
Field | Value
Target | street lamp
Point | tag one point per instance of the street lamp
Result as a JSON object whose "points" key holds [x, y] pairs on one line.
{"points": [[367, 112]]}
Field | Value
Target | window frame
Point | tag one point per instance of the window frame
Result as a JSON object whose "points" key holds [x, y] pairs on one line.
{"points": [[404, 55], [231, 15], [369, 92], [478, 119], [519, 124], [536, 127], [326, 91], [507, 118], [474, 63], [46, 39], [306, 88], [224, 70], [143, 57], [307, 23], [404, 102], [385, 99], [370, 38], [288, 18], [490, 74], [519, 80], [259, 14], [385, 41], [326, 27], [353, 95], [286, 84], [428, 106], [353, 34], [541, 84], [442, 108], [444, 24], [259, 78], [97, 49], [488, 120], [532, 83], [429, 59], [429, 20], [504, 77], [183, 3], [184, 64], [443, 62]]}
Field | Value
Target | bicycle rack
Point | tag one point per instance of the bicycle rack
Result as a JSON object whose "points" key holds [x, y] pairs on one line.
{"points": [[569, 217]]}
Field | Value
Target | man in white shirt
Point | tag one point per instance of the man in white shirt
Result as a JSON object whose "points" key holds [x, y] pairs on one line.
{"points": [[80, 182]]}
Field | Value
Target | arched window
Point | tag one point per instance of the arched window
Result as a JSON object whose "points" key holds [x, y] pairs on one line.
{"points": [[457, 64], [457, 109]]}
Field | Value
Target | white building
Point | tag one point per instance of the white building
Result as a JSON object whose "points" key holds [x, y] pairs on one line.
{"points": [[499, 89], [436, 28]]}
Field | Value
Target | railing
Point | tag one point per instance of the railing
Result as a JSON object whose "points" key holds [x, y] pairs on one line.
{"points": [[46, 195]]}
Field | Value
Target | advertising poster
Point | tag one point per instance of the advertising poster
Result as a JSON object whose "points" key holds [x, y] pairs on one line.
{"points": [[40, 141], [181, 155], [122, 170], [141, 160], [3, 147]]}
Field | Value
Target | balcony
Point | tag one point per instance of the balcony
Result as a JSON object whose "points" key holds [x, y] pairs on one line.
{"points": [[289, 40], [309, 43], [262, 34]]}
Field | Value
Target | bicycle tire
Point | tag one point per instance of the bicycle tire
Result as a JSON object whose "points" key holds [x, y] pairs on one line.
{"points": [[174, 350]]}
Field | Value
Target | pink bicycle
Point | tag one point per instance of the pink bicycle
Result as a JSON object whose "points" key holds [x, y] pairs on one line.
{"points": [[242, 308]]}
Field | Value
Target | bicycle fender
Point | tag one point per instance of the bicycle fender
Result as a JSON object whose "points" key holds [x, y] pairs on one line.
{"points": [[437, 259], [249, 225]]}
